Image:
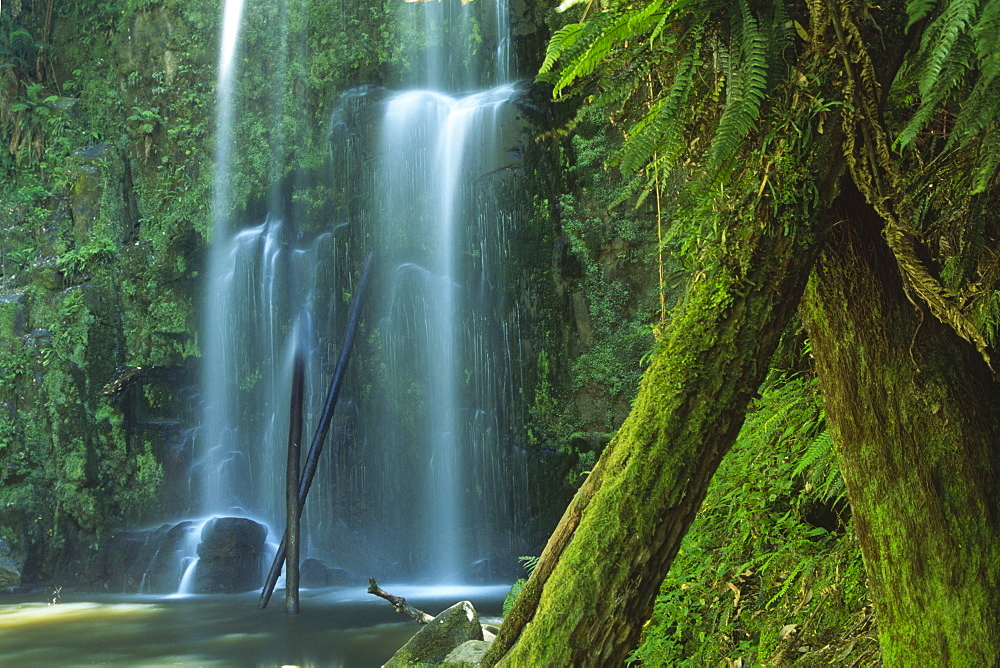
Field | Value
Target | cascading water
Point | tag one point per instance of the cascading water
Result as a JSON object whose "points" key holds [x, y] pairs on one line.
{"points": [[216, 451], [434, 148], [420, 477]]}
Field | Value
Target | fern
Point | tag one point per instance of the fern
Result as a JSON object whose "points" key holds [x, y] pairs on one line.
{"points": [[745, 90], [941, 36], [820, 447], [958, 52], [917, 10], [562, 40], [989, 161], [619, 29], [986, 33], [661, 130]]}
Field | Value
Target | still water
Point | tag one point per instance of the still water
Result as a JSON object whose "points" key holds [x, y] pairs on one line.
{"points": [[336, 627]]}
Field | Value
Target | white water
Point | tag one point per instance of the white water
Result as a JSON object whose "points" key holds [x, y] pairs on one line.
{"points": [[418, 477], [435, 146], [216, 443]]}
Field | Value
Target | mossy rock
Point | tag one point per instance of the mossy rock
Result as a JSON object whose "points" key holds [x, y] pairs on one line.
{"points": [[440, 637]]}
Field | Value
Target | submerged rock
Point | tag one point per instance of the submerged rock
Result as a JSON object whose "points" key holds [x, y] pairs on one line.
{"points": [[314, 573], [230, 556], [166, 567], [439, 637]]}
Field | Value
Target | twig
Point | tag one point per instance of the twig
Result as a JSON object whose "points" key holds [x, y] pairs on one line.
{"points": [[399, 603]]}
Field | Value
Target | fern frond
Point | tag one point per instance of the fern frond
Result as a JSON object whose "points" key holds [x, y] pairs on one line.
{"points": [[941, 36], [661, 130], [561, 40], [574, 45], [986, 34], [949, 72], [744, 91], [820, 447], [978, 110], [619, 29], [989, 162], [833, 487], [917, 10]]}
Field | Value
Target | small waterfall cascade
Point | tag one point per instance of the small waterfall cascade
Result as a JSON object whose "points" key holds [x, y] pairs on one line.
{"points": [[422, 474], [217, 364], [436, 325]]}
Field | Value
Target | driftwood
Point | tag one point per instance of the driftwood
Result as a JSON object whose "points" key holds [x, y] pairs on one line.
{"points": [[294, 512], [312, 460], [399, 603]]}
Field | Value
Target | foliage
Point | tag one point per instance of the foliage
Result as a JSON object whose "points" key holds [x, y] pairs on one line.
{"points": [[771, 551], [529, 564], [958, 66], [124, 92], [684, 56]]}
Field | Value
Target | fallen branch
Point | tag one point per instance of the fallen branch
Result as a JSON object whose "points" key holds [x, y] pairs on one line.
{"points": [[399, 603]]}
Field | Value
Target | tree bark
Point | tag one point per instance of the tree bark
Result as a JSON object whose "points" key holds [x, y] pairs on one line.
{"points": [[913, 412], [598, 577]]}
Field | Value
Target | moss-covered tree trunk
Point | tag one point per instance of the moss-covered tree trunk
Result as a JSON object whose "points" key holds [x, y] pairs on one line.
{"points": [[915, 415], [598, 578]]}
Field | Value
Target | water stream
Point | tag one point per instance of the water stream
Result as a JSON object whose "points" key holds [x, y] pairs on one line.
{"points": [[344, 628]]}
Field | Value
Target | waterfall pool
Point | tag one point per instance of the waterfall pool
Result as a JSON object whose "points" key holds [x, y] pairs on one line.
{"points": [[336, 627]]}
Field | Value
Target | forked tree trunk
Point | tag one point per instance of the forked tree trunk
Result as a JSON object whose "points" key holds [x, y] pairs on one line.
{"points": [[915, 415], [596, 582]]}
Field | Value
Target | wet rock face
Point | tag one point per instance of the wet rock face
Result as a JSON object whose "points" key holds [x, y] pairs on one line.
{"points": [[167, 566], [10, 567], [231, 556]]}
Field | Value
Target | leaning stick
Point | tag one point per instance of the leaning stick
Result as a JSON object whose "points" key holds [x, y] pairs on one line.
{"points": [[312, 461]]}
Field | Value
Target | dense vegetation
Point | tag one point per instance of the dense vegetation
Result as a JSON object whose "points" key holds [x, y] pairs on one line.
{"points": [[704, 162], [771, 117]]}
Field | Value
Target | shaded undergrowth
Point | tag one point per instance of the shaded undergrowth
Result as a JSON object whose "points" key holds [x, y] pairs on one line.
{"points": [[770, 572]]}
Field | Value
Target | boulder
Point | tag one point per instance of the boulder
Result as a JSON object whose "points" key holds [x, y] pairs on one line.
{"points": [[337, 577], [314, 573], [123, 560], [163, 574], [439, 637], [230, 556], [469, 653]]}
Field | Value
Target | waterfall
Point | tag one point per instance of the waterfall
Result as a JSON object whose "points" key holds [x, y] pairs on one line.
{"points": [[422, 474], [217, 365], [434, 148]]}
